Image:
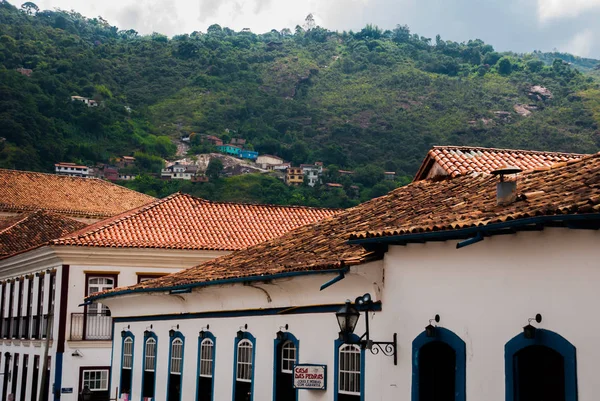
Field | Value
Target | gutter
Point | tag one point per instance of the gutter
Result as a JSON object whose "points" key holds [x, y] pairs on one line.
{"points": [[185, 287], [533, 223]]}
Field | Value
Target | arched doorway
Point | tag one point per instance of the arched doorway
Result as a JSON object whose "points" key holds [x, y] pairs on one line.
{"points": [[540, 368], [438, 367]]}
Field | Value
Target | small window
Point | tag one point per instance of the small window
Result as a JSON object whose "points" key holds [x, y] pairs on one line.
{"points": [[206, 357], [244, 361], [176, 356], [150, 363], [96, 380], [128, 353], [349, 370], [288, 357]]}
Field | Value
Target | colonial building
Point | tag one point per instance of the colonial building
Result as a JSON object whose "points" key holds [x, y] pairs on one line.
{"points": [[480, 287], [179, 171], [268, 160], [84, 199], [43, 325], [72, 169], [444, 161]]}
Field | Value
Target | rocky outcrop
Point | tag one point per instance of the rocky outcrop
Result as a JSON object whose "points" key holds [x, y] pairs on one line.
{"points": [[539, 93]]}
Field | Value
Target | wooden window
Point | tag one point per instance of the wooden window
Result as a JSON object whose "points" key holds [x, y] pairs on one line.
{"points": [[150, 355], [349, 370], [128, 353], [206, 357], [244, 361], [176, 356], [96, 380], [288, 357]]}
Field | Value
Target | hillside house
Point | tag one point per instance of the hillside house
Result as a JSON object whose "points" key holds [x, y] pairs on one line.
{"points": [[313, 173], [83, 199], [333, 185], [238, 142], [389, 175], [216, 141], [248, 154], [279, 167], [294, 176], [452, 161], [489, 308], [231, 150], [268, 160], [87, 101], [25, 71], [125, 161], [42, 285], [179, 171], [71, 169]]}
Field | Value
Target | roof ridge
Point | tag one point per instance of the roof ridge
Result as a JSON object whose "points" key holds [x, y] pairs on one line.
{"points": [[505, 150], [19, 221], [114, 220], [266, 204]]}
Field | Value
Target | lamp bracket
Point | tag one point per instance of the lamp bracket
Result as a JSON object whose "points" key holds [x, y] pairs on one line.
{"points": [[387, 348]]}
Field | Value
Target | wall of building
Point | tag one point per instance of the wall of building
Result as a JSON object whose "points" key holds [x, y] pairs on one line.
{"points": [[484, 293]]}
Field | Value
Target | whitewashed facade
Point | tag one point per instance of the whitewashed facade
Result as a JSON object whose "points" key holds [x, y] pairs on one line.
{"points": [[485, 293], [55, 279]]}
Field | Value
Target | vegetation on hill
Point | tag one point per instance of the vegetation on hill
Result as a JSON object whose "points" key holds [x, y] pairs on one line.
{"points": [[374, 100]]}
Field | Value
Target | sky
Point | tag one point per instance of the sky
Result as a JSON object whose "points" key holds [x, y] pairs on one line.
{"points": [[518, 25]]}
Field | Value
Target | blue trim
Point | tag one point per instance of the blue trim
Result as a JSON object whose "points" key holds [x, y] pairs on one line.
{"points": [[457, 344], [58, 365], [334, 280], [182, 338], [207, 334], [214, 282], [287, 336], [469, 232], [152, 335], [128, 334], [477, 238], [246, 336], [241, 313], [112, 351], [548, 339], [336, 371]]}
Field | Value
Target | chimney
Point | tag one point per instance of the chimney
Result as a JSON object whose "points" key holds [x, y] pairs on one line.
{"points": [[506, 190]]}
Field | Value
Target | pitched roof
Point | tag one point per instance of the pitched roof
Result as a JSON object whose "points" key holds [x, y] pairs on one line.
{"points": [[26, 231], [460, 160], [182, 221], [74, 196], [425, 206]]}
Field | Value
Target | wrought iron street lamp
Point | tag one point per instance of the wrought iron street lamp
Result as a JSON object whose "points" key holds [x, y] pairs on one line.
{"points": [[347, 318], [529, 330]]}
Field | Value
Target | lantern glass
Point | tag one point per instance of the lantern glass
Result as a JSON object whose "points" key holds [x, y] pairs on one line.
{"points": [[123, 333], [240, 334], [347, 318], [201, 334], [430, 331], [146, 333], [280, 335], [171, 333]]}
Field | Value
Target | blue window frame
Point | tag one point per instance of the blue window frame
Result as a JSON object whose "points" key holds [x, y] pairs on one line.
{"points": [[451, 348], [127, 358], [285, 353], [149, 365], [550, 343], [349, 379], [205, 383], [175, 374], [243, 367]]}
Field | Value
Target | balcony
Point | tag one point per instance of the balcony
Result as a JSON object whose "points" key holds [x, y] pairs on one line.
{"points": [[91, 326]]}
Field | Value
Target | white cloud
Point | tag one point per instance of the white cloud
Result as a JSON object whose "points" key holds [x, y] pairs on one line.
{"points": [[558, 9], [581, 44]]}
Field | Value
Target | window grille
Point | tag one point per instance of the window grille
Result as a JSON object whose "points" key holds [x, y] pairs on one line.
{"points": [[96, 380], [244, 361], [150, 363], [128, 353], [206, 357], [349, 370], [288, 357], [176, 356]]}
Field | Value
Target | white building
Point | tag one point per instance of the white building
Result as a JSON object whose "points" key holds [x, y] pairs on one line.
{"points": [[72, 170], [268, 160], [313, 173], [232, 328], [47, 282], [179, 171], [87, 101]]}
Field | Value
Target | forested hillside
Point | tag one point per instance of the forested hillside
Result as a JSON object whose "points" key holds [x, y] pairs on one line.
{"points": [[371, 100]]}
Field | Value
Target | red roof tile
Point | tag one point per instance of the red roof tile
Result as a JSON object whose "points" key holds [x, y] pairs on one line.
{"points": [[73, 196], [460, 160], [182, 221], [29, 230], [422, 206]]}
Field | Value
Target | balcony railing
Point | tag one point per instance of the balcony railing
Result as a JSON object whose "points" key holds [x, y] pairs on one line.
{"points": [[91, 326]]}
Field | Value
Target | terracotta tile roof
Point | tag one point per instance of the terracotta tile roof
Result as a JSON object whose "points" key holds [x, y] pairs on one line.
{"points": [[466, 201], [460, 160], [182, 221], [73, 196], [29, 230]]}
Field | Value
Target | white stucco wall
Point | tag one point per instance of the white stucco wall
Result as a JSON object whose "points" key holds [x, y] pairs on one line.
{"points": [[484, 293]]}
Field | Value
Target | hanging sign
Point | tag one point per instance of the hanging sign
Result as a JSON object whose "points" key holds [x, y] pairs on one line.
{"points": [[310, 377]]}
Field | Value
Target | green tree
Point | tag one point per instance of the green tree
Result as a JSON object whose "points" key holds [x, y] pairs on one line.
{"points": [[30, 8], [504, 66], [214, 169]]}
